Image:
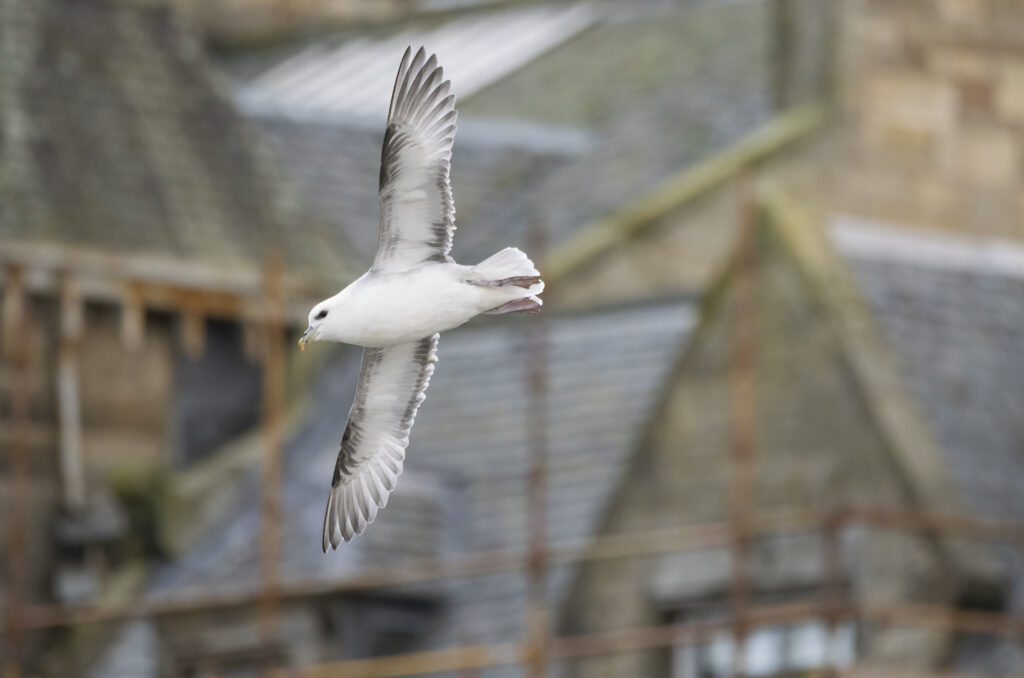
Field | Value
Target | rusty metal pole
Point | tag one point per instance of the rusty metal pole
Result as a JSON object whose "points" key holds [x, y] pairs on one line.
{"points": [[16, 356], [1018, 544], [833, 594], [273, 395], [537, 623], [69, 408], [742, 405], [469, 671]]}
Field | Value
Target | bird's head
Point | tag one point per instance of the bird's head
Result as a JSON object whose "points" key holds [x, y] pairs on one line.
{"points": [[319, 321]]}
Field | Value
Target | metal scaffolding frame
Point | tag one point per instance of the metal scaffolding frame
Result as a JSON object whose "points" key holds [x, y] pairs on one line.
{"points": [[540, 646]]}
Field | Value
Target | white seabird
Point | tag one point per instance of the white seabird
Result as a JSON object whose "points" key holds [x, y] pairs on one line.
{"points": [[413, 291]]}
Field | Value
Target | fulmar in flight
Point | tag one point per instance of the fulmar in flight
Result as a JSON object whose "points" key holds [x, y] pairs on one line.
{"points": [[413, 291]]}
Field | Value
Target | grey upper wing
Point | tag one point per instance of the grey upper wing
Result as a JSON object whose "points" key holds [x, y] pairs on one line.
{"points": [[392, 383], [417, 212]]}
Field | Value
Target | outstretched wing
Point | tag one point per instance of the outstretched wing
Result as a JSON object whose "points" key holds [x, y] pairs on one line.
{"points": [[392, 383], [417, 213]]}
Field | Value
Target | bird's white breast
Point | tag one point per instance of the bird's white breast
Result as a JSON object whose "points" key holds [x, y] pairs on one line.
{"points": [[383, 309]]}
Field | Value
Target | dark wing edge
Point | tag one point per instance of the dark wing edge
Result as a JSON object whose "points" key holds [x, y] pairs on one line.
{"points": [[392, 383], [417, 210]]}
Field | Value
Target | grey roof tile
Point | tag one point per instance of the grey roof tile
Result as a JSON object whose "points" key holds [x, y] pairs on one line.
{"points": [[464, 486], [958, 336], [335, 165], [659, 92], [119, 140], [654, 93]]}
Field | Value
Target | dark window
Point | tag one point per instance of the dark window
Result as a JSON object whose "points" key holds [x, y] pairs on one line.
{"points": [[216, 396], [375, 626]]}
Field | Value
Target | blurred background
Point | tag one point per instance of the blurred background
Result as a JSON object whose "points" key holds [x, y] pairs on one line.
{"points": [[770, 423]]}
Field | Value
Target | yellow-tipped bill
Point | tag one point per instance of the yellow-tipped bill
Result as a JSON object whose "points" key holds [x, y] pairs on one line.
{"points": [[306, 337]]}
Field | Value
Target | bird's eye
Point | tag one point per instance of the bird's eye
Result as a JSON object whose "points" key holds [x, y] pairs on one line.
{"points": [[321, 315]]}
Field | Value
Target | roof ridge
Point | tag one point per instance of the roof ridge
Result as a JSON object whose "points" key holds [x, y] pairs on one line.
{"points": [[935, 249]]}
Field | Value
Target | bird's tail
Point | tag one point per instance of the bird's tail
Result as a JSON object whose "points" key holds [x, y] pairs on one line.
{"points": [[511, 269]]}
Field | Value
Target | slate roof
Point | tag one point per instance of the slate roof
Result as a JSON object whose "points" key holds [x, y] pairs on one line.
{"points": [[354, 76], [953, 310], [464, 487], [335, 165], [117, 139], [636, 52], [659, 90], [571, 136]]}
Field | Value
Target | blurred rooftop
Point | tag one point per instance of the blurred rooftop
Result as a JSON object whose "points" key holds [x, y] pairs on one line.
{"points": [[782, 381]]}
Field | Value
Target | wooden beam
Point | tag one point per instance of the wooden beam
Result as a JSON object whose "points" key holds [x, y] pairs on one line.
{"points": [[35, 383], [160, 283], [33, 434], [99, 268]]}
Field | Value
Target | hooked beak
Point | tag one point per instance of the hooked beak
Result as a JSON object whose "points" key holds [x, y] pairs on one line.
{"points": [[306, 337]]}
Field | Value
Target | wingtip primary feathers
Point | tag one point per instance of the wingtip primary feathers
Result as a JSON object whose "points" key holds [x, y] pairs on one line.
{"points": [[355, 502], [403, 68], [421, 95], [417, 208], [364, 482]]}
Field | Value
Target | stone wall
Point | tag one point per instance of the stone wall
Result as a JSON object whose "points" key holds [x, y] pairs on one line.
{"points": [[126, 394], [817, 447], [935, 92]]}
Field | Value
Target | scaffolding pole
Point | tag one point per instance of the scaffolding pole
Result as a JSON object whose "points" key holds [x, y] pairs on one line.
{"points": [[72, 469], [833, 594], [537, 622], [16, 356], [742, 374], [273, 395]]}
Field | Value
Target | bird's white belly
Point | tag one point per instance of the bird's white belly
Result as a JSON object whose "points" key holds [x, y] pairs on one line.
{"points": [[386, 309]]}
